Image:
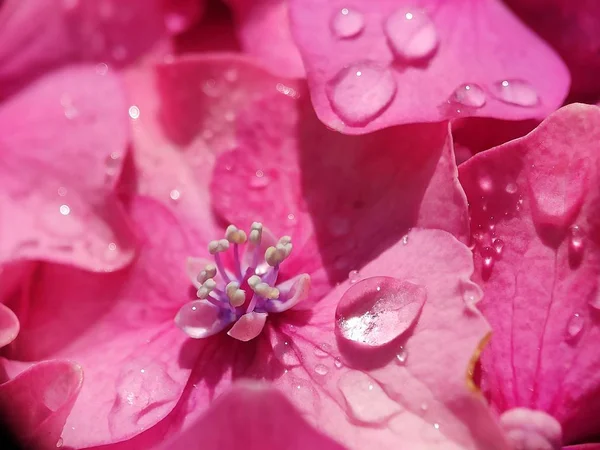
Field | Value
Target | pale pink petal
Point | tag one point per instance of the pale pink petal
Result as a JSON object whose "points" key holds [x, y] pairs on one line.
{"points": [[193, 266], [264, 32], [200, 319], [61, 146], [9, 325], [406, 63], [119, 328], [531, 430], [534, 212], [36, 402], [261, 418], [292, 292], [248, 326]]}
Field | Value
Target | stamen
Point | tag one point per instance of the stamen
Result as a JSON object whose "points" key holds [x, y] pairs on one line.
{"points": [[235, 235], [215, 247], [236, 296], [255, 233], [262, 289], [276, 255], [210, 271], [208, 286]]}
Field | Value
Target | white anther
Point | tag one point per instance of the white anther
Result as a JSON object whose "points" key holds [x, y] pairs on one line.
{"points": [[285, 240], [237, 297], [276, 255], [253, 281], [235, 235], [286, 248], [218, 246], [255, 233], [210, 271], [208, 286], [261, 288]]}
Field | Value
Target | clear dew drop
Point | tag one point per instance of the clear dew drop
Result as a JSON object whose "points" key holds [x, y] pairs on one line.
{"points": [[515, 92], [361, 92], [347, 23], [134, 112], [488, 259], [411, 34], [65, 210], [576, 239], [337, 362], [321, 369], [575, 326], [486, 184], [377, 310], [101, 69], [259, 180], [353, 276], [113, 162], [405, 239], [175, 195], [286, 354], [59, 443], [498, 245], [401, 356], [511, 188], [471, 95]]}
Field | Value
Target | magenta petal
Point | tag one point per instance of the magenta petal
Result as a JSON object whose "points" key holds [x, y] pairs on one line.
{"points": [[248, 326], [261, 418], [9, 325], [451, 60], [36, 402], [59, 164], [200, 319], [534, 212]]}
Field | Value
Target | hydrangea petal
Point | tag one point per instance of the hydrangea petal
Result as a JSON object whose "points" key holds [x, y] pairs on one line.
{"points": [[358, 85], [36, 402], [119, 328], [59, 161], [248, 326], [537, 256], [293, 291]]}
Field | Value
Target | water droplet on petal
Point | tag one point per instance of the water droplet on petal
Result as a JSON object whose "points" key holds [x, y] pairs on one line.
{"points": [[486, 184], [361, 92], [511, 188], [338, 363], [402, 356], [134, 112], [365, 400], [377, 310], [347, 23], [576, 240], [59, 443], [575, 326], [175, 195], [405, 239], [354, 276], [498, 245], [259, 180], [286, 354], [64, 210], [515, 92], [487, 254], [411, 34], [113, 163], [101, 69], [471, 95], [321, 369]]}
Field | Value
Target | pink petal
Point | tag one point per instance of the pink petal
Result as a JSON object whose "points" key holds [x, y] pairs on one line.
{"points": [[334, 195], [119, 328], [531, 430], [9, 325], [59, 162], [534, 210], [264, 32], [262, 419], [573, 29], [200, 319], [248, 326], [193, 266], [359, 83], [39, 400]]}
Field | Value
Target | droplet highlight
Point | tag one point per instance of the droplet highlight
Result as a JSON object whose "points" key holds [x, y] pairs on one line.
{"points": [[402, 356], [575, 326], [411, 34], [377, 310], [471, 95], [576, 240], [360, 93], [515, 92], [347, 23]]}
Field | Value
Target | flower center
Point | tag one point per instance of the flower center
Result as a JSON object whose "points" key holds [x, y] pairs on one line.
{"points": [[246, 294]]}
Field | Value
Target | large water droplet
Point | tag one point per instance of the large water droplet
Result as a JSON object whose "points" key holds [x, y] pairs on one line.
{"points": [[411, 34], [377, 310], [575, 326], [361, 92], [515, 92], [347, 23], [471, 95], [175, 195], [366, 401]]}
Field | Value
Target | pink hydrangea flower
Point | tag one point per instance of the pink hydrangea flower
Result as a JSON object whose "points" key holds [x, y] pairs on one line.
{"points": [[534, 221]]}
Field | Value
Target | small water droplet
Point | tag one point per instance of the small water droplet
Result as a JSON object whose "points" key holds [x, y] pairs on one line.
{"points": [[321, 369], [366, 401], [498, 245], [287, 90], [377, 310], [69, 109], [402, 356], [62, 191], [353, 276], [471, 95], [405, 239], [515, 92], [65, 210], [411, 34], [511, 188], [175, 22], [424, 407], [576, 240], [361, 92], [286, 354], [175, 195], [575, 326], [259, 180], [486, 184], [211, 88], [347, 23], [59, 443], [113, 163], [436, 426], [487, 254], [338, 363], [101, 69], [134, 112]]}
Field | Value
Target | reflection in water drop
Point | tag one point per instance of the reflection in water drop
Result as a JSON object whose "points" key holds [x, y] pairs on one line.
{"points": [[361, 92], [515, 92], [347, 23], [411, 34]]}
